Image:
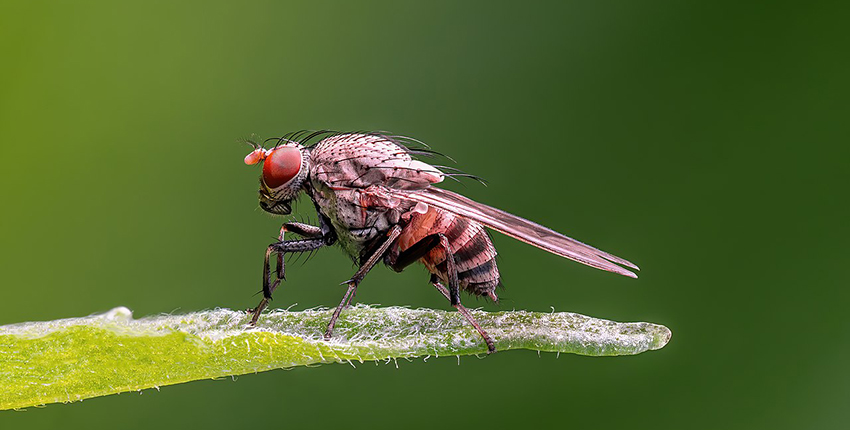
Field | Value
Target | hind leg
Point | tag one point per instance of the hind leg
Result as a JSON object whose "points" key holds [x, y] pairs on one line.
{"points": [[491, 347], [418, 250]]}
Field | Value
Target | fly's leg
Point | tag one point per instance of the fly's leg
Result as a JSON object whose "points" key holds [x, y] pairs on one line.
{"points": [[359, 275], [419, 250], [281, 248], [451, 269], [268, 286], [301, 229], [491, 347], [454, 297]]}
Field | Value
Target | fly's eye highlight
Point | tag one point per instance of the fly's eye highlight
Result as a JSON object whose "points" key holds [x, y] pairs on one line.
{"points": [[281, 165]]}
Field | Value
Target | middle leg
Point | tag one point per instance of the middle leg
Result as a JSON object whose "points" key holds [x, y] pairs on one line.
{"points": [[359, 275]]}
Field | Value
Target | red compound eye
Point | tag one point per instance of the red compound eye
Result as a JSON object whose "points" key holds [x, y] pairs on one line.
{"points": [[281, 166]]}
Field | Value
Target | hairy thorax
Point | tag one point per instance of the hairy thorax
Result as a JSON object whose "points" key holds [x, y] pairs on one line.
{"points": [[356, 217]]}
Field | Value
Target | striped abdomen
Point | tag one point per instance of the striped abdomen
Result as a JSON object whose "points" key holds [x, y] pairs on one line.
{"points": [[474, 253]]}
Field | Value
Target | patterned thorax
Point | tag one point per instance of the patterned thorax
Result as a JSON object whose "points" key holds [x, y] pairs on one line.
{"points": [[361, 160], [346, 172]]}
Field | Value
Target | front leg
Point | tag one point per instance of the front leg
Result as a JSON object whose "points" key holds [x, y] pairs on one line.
{"points": [[281, 248], [301, 229], [304, 230]]}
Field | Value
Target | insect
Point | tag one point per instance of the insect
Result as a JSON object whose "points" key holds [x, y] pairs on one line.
{"points": [[379, 203]]}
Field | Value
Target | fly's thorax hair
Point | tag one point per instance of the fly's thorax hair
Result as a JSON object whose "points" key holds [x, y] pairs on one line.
{"points": [[359, 160]]}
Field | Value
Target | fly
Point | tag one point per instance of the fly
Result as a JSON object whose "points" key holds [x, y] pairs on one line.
{"points": [[380, 204]]}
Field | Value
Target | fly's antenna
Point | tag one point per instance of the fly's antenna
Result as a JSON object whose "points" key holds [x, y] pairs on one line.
{"points": [[259, 153], [253, 141]]}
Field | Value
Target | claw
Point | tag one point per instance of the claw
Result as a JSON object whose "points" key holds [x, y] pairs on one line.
{"points": [[258, 310], [254, 317]]}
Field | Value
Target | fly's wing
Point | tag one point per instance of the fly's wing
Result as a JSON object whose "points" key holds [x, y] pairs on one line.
{"points": [[360, 160], [519, 228]]}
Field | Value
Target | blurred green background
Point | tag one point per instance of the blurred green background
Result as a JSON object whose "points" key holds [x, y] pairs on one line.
{"points": [[705, 142]]}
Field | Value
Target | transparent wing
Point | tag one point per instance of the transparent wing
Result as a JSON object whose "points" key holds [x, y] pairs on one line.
{"points": [[519, 228]]}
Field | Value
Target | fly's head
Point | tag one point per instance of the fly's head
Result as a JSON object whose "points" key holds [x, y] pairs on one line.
{"points": [[285, 170]]}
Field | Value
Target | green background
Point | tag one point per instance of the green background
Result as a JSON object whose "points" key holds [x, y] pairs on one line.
{"points": [[705, 142]]}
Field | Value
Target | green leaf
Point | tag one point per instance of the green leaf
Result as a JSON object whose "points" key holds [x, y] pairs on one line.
{"points": [[79, 358]]}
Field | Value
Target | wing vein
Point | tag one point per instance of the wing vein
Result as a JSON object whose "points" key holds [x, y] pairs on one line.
{"points": [[523, 230]]}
